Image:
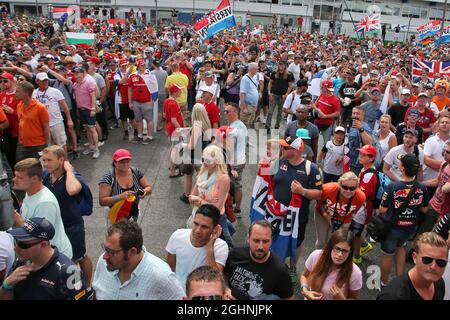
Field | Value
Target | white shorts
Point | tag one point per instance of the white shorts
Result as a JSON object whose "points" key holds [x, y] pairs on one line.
{"points": [[58, 134]]}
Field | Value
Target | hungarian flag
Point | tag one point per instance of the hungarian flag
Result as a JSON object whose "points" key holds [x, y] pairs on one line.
{"points": [[284, 219], [80, 38], [215, 21]]}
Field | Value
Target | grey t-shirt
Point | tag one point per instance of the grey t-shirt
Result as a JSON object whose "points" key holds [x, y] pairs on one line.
{"points": [[161, 76], [292, 127], [100, 82]]}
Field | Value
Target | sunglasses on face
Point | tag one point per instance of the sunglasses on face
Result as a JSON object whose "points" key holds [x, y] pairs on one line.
{"points": [[340, 250], [25, 245], [207, 161], [4, 81], [348, 188], [441, 263], [208, 298]]}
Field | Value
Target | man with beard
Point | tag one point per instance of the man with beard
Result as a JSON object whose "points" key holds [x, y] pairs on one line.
{"points": [[127, 271], [256, 273]]}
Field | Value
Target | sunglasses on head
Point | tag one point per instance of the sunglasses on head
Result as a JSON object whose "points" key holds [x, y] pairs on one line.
{"points": [[208, 298], [441, 263], [348, 188], [25, 245]]}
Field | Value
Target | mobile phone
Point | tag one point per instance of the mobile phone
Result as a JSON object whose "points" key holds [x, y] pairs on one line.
{"points": [[140, 192]]}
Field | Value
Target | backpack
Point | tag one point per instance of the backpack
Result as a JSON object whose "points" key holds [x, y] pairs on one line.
{"points": [[382, 182], [85, 199]]}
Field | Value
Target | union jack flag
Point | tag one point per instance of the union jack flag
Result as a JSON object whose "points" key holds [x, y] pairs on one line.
{"points": [[369, 23], [440, 67]]}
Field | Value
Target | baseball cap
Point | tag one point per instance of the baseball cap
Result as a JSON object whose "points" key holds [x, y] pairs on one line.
{"points": [[148, 49], [41, 76], [328, 84], [208, 89], [123, 62], [368, 150], [410, 161], [406, 91], [339, 129], [413, 113], [291, 53], [78, 70], [208, 74], [422, 94], [121, 154], [95, 60], [375, 89], [36, 228], [374, 72], [69, 60], [174, 88], [292, 142], [141, 62], [7, 75], [303, 133], [411, 131], [364, 66], [156, 62]]}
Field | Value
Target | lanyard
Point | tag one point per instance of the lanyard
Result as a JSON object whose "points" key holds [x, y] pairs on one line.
{"points": [[40, 98]]}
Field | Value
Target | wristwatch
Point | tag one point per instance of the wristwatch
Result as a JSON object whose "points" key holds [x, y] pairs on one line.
{"points": [[361, 129]]}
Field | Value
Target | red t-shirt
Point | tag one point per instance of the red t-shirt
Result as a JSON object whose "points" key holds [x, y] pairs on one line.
{"points": [[140, 90], [110, 75], [184, 69], [123, 91], [426, 118], [172, 110], [10, 100], [213, 112], [328, 105], [368, 185]]}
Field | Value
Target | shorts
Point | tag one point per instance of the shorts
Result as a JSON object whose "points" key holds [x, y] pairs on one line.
{"points": [[394, 239], [248, 116], [58, 134], [356, 228], [125, 112], [143, 110], [86, 119], [161, 98], [328, 177], [238, 181], [303, 221], [77, 238]]}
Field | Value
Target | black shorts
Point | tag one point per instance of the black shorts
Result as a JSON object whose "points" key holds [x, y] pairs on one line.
{"points": [[77, 238], [304, 217], [125, 112]]}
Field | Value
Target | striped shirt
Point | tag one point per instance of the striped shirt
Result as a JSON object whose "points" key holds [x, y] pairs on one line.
{"points": [[110, 179]]}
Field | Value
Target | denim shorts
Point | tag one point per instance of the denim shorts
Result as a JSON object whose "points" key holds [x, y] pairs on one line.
{"points": [[77, 238], [394, 239], [86, 119]]}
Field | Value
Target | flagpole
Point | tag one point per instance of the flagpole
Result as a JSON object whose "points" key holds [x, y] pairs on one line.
{"points": [[443, 20], [353, 21]]}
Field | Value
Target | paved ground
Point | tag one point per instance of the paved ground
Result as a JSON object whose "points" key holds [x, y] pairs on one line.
{"points": [[163, 212]]}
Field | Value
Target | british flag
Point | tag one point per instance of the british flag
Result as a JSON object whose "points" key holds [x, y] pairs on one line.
{"points": [[440, 67], [369, 23]]}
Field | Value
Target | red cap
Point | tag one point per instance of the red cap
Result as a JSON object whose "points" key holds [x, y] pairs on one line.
{"points": [[368, 150], [123, 62], [174, 88], [95, 60], [121, 154], [108, 56], [328, 84], [141, 62], [7, 75]]}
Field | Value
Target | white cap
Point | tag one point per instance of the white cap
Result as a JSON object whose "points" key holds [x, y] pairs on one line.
{"points": [[422, 94], [41, 76], [364, 66], [339, 128], [291, 53], [209, 89], [406, 91]]}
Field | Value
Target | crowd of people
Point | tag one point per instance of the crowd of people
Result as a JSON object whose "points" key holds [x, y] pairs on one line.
{"points": [[363, 148]]}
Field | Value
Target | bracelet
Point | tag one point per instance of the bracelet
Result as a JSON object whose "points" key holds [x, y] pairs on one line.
{"points": [[116, 198], [305, 286], [303, 193], [7, 287]]}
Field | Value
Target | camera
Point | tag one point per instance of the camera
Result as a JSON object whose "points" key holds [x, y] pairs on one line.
{"points": [[140, 193]]}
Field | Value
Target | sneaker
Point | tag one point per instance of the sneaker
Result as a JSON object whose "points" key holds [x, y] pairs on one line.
{"points": [[293, 274], [101, 143], [237, 213], [96, 154], [76, 155], [87, 151], [137, 140], [146, 140], [86, 144], [184, 198], [357, 260], [366, 249]]}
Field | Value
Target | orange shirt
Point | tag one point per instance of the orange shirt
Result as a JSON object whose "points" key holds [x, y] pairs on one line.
{"points": [[31, 123], [441, 103], [327, 203]]}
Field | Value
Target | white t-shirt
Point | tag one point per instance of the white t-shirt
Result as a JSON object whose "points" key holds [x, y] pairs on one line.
{"points": [[7, 254], [392, 159], [189, 257], [292, 102], [295, 70], [50, 98], [433, 147], [333, 153], [45, 205]]}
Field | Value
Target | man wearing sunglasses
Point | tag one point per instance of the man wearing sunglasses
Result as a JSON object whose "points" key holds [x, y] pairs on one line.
{"points": [[41, 271], [424, 281]]}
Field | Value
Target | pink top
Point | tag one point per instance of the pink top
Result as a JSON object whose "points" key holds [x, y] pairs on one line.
{"points": [[356, 279], [82, 93]]}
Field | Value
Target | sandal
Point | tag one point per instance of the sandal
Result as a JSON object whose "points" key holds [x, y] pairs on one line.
{"points": [[179, 174]]}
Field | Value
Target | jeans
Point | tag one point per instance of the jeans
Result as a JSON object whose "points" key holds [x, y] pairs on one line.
{"points": [[275, 102], [226, 234]]}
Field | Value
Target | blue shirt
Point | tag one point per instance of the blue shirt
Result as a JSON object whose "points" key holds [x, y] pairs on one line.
{"points": [[249, 86], [337, 83], [354, 143]]}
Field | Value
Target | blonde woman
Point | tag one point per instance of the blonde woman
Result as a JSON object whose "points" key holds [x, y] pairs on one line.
{"points": [[340, 206], [386, 137], [212, 186], [200, 138]]}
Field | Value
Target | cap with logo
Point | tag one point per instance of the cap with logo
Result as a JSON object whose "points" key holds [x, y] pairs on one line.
{"points": [[406, 91], [175, 88], [339, 129], [209, 89], [411, 131], [41, 76], [208, 74], [36, 228], [368, 150], [328, 85], [292, 142], [422, 94]]}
